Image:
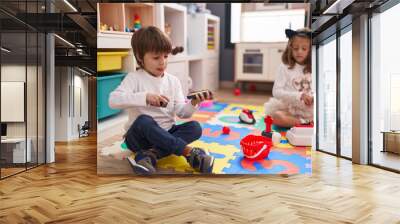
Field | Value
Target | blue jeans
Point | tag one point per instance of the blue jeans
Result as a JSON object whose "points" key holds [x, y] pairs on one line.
{"points": [[145, 134]]}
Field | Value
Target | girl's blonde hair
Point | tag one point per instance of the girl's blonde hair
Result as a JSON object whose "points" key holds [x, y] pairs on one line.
{"points": [[287, 56], [151, 39]]}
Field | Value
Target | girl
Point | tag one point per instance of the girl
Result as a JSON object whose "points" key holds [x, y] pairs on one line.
{"points": [[292, 101], [153, 98]]}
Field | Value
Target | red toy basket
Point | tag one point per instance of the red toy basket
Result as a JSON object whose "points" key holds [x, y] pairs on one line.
{"points": [[255, 147]]}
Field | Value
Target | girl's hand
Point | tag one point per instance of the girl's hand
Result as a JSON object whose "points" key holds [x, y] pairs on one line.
{"points": [[200, 98], [308, 100], [156, 100]]}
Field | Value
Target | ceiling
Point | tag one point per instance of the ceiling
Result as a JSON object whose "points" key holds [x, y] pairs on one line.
{"points": [[75, 23], [328, 15]]}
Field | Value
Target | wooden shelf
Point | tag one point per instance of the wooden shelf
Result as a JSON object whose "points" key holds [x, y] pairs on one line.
{"points": [[203, 33], [114, 40], [145, 11], [199, 34], [121, 16], [174, 23], [110, 14], [116, 33]]}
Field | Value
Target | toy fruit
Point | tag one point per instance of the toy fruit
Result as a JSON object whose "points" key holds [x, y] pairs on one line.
{"points": [[236, 92], [226, 130]]}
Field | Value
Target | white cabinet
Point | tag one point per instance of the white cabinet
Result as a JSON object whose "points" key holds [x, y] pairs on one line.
{"points": [[171, 18], [203, 48], [113, 20], [212, 73], [203, 34], [257, 61], [204, 73]]}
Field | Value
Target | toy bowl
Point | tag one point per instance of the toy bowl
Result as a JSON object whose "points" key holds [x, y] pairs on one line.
{"points": [[255, 147]]}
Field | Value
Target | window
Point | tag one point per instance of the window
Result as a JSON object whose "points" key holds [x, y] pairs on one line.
{"points": [[327, 96], [263, 26], [385, 89], [346, 93], [22, 76]]}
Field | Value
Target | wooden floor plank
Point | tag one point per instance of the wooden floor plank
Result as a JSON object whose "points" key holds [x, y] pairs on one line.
{"points": [[70, 191]]}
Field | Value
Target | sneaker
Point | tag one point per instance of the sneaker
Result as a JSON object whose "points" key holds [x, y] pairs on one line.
{"points": [[143, 163], [200, 160]]}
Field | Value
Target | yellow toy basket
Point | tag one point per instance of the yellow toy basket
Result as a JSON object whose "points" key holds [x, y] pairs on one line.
{"points": [[110, 61]]}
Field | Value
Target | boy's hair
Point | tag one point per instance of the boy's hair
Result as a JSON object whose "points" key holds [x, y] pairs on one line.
{"points": [[151, 39], [287, 56]]}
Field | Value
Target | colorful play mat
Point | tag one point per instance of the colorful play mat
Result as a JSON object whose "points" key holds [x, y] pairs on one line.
{"points": [[282, 159]]}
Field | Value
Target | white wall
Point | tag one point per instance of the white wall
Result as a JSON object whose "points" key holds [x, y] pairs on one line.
{"points": [[79, 117], [62, 82], [71, 87]]}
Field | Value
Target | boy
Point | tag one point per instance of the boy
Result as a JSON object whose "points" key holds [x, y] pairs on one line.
{"points": [[153, 98]]}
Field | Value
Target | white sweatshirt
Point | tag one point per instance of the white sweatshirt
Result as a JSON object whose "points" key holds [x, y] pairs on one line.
{"points": [[131, 95], [291, 83]]}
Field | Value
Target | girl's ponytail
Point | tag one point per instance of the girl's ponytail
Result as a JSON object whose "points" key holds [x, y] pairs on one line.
{"points": [[177, 50]]}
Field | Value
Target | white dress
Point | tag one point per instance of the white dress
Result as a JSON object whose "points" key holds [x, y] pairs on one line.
{"points": [[288, 86]]}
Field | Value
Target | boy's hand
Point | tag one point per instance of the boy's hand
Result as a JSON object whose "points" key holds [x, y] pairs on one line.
{"points": [[156, 100], [200, 98], [308, 100]]}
